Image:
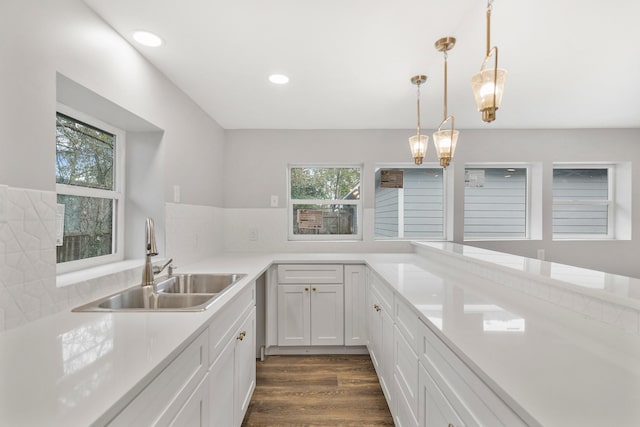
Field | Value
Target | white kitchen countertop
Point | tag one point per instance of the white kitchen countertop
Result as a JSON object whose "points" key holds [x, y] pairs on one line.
{"points": [[79, 368]]}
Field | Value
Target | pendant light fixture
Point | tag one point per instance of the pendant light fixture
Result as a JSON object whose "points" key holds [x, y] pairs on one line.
{"points": [[418, 143], [488, 84], [446, 140]]}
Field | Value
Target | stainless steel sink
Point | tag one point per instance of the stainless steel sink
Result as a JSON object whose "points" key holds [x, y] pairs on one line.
{"points": [[142, 298], [198, 283], [180, 292]]}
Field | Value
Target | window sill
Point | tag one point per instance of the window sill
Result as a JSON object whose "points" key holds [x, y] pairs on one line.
{"points": [[75, 277]]}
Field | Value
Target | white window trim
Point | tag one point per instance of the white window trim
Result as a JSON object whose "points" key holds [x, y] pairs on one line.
{"points": [[528, 194], [610, 202], [446, 198], [324, 237], [117, 194]]}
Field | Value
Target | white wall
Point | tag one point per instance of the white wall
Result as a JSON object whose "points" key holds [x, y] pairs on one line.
{"points": [[256, 165], [52, 46], [42, 38]]}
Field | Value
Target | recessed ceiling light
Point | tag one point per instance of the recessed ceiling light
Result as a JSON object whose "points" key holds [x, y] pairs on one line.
{"points": [[147, 39], [279, 79]]}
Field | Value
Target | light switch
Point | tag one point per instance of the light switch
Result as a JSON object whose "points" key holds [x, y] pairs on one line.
{"points": [[274, 201]]}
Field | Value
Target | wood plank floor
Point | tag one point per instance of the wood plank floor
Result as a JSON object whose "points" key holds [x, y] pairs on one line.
{"points": [[317, 391]]}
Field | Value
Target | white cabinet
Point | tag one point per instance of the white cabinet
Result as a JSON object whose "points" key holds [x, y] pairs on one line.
{"points": [[171, 393], [405, 372], [381, 333], [310, 315], [310, 305], [435, 409], [210, 383], [195, 413], [232, 376], [457, 394], [355, 302], [245, 366]]}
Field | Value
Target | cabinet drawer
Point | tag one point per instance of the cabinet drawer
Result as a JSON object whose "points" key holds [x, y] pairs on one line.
{"points": [[406, 321], [165, 396], [406, 376], [308, 273], [227, 320], [471, 398], [384, 292]]}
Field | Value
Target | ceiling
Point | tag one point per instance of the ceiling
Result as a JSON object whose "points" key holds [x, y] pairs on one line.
{"points": [[571, 63]]}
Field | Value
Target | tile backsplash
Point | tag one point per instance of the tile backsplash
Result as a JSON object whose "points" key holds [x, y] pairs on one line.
{"points": [[28, 289], [27, 255]]}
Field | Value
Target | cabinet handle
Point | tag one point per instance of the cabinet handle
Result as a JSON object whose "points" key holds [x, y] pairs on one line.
{"points": [[306, 289], [377, 307], [314, 289], [242, 335]]}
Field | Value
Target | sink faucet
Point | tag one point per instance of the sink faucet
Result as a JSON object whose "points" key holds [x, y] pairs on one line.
{"points": [[151, 250], [158, 270]]}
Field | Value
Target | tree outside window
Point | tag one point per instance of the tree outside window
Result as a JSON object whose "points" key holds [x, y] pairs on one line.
{"points": [[86, 160]]}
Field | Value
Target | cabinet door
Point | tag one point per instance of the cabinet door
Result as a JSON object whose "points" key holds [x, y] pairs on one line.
{"points": [[221, 387], [435, 409], [196, 411], [405, 379], [375, 330], [386, 356], [293, 315], [327, 315], [245, 366], [355, 303]]}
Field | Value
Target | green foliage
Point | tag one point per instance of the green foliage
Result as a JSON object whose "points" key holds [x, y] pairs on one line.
{"points": [[324, 183], [84, 154], [85, 158]]}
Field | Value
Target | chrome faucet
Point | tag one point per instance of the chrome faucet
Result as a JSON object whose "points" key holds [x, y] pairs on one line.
{"points": [[151, 249], [158, 270]]}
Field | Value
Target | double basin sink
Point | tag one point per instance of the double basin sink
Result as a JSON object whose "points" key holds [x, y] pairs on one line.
{"points": [[179, 292]]}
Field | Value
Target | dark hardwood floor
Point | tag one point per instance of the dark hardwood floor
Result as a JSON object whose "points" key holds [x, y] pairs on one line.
{"points": [[317, 391]]}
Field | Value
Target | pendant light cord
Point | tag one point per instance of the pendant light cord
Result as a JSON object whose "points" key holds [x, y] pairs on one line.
{"points": [[445, 85], [418, 102]]}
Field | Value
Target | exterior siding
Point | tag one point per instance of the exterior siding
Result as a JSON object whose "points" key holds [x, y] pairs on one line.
{"points": [[580, 185], [498, 209], [422, 212]]}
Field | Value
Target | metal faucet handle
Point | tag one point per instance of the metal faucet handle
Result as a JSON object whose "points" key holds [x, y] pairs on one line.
{"points": [[158, 270], [171, 268]]}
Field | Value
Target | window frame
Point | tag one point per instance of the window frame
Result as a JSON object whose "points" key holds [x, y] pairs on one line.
{"points": [[610, 202], [445, 201], [325, 237], [528, 200], [117, 194]]}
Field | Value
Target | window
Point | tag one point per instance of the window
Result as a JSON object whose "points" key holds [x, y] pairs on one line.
{"points": [[324, 203], [495, 203], [582, 202], [409, 203], [88, 183]]}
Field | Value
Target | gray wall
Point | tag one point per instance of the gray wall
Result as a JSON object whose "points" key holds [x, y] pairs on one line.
{"points": [[256, 165]]}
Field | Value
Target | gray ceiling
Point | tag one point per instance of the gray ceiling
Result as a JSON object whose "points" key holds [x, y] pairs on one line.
{"points": [[571, 63]]}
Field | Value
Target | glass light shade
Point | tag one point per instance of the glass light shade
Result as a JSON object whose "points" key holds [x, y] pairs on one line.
{"points": [[445, 142], [482, 84], [418, 144]]}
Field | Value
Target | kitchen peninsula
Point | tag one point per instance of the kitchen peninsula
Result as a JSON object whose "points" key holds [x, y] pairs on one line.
{"points": [[549, 344]]}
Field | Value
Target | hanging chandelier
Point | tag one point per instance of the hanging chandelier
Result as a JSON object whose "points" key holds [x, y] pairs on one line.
{"points": [[418, 143], [445, 140], [488, 83]]}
